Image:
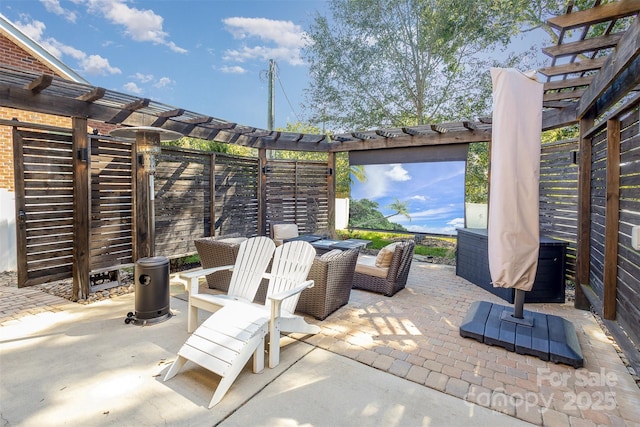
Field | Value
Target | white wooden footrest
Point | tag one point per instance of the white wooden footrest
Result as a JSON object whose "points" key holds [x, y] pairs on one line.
{"points": [[224, 343]]}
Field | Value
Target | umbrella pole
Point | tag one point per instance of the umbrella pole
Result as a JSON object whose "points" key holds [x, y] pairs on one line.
{"points": [[518, 304]]}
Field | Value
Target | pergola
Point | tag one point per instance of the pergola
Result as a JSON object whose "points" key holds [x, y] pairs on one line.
{"points": [[589, 77]]}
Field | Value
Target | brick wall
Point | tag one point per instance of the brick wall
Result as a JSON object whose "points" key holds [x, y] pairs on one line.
{"points": [[13, 55]]}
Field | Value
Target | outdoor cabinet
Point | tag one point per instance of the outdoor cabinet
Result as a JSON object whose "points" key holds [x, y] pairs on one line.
{"points": [[472, 263]]}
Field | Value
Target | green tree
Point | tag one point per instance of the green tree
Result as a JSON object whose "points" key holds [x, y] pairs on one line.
{"points": [[365, 213], [206, 145], [400, 208], [392, 63], [477, 174]]}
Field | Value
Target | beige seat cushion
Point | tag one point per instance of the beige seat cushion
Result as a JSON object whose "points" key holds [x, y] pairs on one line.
{"points": [[383, 260], [367, 265], [284, 231]]}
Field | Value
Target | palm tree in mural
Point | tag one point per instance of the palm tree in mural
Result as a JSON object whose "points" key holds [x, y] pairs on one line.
{"points": [[400, 208], [357, 173]]}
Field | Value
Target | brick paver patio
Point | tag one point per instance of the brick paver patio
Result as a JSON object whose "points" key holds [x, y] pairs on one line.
{"points": [[414, 335]]}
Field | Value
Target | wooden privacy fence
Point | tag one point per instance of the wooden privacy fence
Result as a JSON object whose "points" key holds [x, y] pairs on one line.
{"points": [[559, 196], [82, 198], [614, 266]]}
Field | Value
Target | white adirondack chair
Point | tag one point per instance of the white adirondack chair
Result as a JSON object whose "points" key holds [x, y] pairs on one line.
{"points": [[291, 264], [225, 341], [253, 258]]}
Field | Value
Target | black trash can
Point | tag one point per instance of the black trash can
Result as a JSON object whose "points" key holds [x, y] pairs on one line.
{"points": [[151, 277]]}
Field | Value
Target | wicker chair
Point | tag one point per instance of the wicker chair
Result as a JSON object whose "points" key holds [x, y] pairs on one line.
{"points": [[332, 274], [397, 274], [217, 252]]}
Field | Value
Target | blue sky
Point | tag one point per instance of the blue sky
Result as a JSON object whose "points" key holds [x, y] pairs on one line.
{"points": [[434, 193], [205, 56], [211, 57]]}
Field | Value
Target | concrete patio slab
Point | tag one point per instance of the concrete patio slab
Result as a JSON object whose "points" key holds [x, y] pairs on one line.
{"points": [[83, 366], [377, 361]]}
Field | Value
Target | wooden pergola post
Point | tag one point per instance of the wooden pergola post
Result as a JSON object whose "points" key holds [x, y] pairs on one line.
{"points": [[212, 190], [583, 247], [81, 208], [262, 191], [331, 192]]}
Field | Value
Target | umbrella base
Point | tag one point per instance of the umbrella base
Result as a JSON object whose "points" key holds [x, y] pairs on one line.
{"points": [[550, 338]]}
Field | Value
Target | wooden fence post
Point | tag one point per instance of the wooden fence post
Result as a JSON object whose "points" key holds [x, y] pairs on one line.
{"points": [[331, 193], [81, 208], [612, 224], [583, 248], [262, 191]]}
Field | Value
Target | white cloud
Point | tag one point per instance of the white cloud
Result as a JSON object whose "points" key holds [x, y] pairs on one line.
{"points": [[279, 40], [34, 29], [133, 88], [163, 82], [376, 184], [434, 213], [448, 230], [456, 222], [97, 65], [53, 6], [420, 198], [141, 25], [90, 64], [397, 173], [236, 69], [143, 78]]}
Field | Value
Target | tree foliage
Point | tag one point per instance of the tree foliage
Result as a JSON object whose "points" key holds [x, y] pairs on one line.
{"points": [[392, 63], [206, 145], [365, 213], [477, 174]]}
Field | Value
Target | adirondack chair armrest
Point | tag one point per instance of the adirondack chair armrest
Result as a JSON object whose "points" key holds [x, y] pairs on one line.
{"points": [[276, 299], [280, 296], [192, 276]]}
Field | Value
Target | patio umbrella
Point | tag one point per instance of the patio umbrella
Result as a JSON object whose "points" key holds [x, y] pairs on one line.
{"points": [[513, 225], [513, 228]]}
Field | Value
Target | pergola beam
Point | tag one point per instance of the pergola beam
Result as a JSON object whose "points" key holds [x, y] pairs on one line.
{"points": [[620, 73], [594, 15]]}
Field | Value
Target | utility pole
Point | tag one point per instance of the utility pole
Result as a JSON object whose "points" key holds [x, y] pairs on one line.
{"points": [[270, 110]]}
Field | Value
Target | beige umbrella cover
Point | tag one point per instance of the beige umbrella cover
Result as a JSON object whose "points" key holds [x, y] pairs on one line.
{"points": [[513, 225]]}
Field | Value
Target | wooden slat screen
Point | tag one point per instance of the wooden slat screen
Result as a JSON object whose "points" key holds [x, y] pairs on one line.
{"points": [[111, 204], [182, 200], [48, 204], [297, 192], [236, 195], [598, 203], [628, 281], [559, 196]]}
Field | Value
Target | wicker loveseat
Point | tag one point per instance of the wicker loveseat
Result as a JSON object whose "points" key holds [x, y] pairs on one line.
{"points": [[332, 274], [217, 252], [385, 280]]}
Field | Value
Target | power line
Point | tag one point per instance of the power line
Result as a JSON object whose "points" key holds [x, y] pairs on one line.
{"points": [[277, 73]]}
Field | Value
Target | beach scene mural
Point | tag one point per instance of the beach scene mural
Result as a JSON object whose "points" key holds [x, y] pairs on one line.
{"points": [[416, 197]]}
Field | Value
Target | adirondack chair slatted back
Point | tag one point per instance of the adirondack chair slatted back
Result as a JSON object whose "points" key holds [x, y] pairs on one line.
{"points": [[253, 258], [291, 264]]}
